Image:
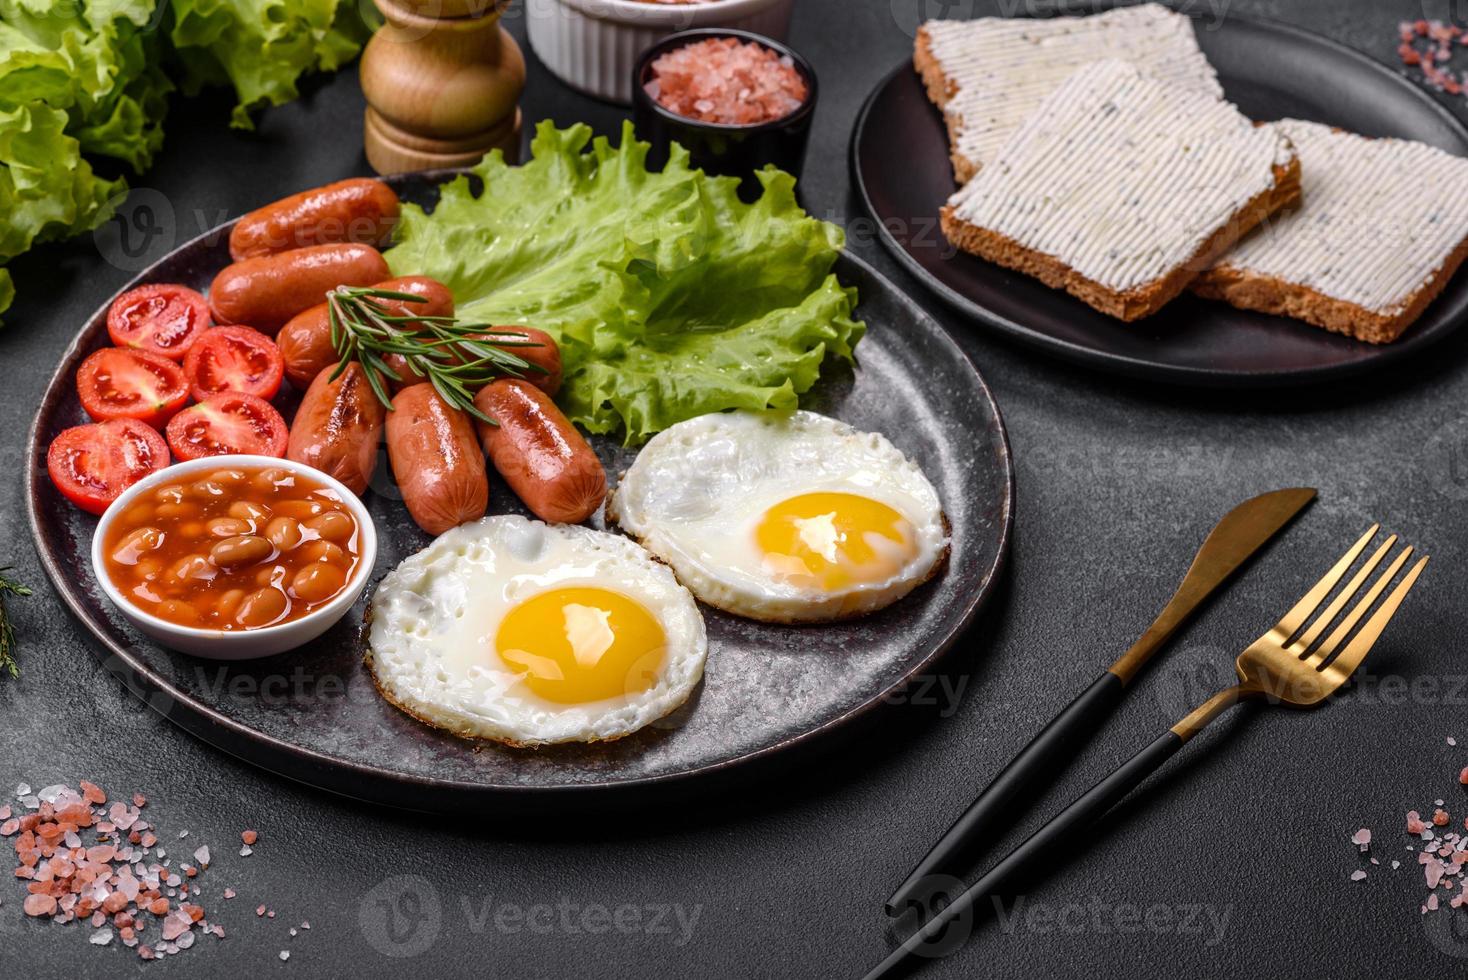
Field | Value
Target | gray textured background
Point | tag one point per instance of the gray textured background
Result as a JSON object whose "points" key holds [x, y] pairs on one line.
{"points": [[1117, 483]]}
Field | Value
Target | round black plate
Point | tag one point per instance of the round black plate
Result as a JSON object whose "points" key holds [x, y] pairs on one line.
{"points": [[899, 158], [314, 715]]}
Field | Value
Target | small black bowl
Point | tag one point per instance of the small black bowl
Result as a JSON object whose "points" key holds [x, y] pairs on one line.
{"points": [[719, 148]]}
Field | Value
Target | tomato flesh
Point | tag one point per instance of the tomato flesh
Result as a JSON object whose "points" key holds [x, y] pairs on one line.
{"points": [[228, 423], [161, 318], [115, 383], [234, 359], [93, 464]]}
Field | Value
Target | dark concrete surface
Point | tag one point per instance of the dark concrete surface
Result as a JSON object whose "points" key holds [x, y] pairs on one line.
{"points": [[1234, 863]]}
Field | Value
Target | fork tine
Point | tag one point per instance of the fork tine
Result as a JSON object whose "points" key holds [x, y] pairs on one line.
{"points": [[1302, 646], [1344, 629], [1361, 645], [1296, 617]]}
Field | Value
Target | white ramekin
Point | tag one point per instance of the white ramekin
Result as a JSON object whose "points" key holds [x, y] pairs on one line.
{"points": [[593, 45], [237, 644]]}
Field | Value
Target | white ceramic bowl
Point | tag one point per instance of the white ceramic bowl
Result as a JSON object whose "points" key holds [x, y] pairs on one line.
{"points": [[237, 644], [593, 45]]}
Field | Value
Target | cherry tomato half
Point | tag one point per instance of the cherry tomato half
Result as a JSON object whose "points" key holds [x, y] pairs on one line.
{"points": [[162, 318], [226, 423], [234, 359], [115, 383], [93, 464]]}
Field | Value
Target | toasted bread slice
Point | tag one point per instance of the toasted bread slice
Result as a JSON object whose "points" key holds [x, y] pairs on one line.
{"points": [[1381, 228], [1120, 189], [988, 75]]}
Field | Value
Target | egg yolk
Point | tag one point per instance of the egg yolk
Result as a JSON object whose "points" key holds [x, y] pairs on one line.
{"points": [[831, 541], [577, 645]]}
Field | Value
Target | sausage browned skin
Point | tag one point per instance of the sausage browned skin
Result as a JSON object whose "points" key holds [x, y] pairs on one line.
{"points": [[544, 354], [539, 452], [266, 291], [338, 427], [438, 465], [305, 342], [357, 210]]}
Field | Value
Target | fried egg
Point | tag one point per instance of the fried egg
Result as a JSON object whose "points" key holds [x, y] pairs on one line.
{"points": [[783, 517], [530, 633]]}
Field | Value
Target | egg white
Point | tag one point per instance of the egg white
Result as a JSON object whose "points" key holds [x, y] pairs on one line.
{"points": [[434, 618], [697, 491]]}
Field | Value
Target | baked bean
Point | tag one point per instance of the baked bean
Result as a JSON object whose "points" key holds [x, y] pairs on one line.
{"points": [[333, 525], [318, 582], [138, 514], [284, 532], [147, 569], [192, 567], [177, 611], [207, 488], [169, 495], [324, 551], [246, 549], [229, 602], [261, 608], [192, 530], [273, 575], [175, 512], [229, 478], [272, 479], [131, 549], [300, 509], [248, 510], [228, 527]]}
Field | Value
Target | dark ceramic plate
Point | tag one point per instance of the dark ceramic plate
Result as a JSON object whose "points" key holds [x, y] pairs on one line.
{"points": [[899, 158], [314, 715]]}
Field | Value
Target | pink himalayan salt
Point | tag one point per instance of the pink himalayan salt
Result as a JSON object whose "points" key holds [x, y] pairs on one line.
{"points": [[727, 81], [1362, 838], [1414, 822]]}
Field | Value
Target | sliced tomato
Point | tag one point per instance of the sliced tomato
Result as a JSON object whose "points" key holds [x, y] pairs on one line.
{"points": [[226, 423], [234, 359], [162, 318], [93, 464], [131, 384]]}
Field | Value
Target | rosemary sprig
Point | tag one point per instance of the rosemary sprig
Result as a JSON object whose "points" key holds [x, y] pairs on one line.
{"points": [[8, 586], [451, 355]]}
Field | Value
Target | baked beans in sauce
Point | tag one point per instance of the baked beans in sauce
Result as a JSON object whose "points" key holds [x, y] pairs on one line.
{"points": [[234, 548]]}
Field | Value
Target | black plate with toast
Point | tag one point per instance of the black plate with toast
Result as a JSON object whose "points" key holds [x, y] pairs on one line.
{"points": [[901, 171]]}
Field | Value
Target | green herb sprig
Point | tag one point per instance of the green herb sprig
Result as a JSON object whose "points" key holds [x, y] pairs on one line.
{"points": [[457, 358], [8, 586]]}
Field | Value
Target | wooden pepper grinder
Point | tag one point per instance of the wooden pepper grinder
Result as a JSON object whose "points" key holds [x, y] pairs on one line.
{"points": [[442, 80]]}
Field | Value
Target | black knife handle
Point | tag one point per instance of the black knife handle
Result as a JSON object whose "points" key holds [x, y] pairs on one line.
{"points": [[1058, 837], [1002, 802]]}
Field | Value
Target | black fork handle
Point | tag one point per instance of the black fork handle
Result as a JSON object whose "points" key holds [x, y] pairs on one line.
{"points": [[1007, 797], [1060, 832]]}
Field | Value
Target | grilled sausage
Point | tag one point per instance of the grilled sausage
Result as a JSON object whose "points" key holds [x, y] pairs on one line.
{"points": [[438, 465], [539, 452], [266, 291], [358, 210], [338, 427], [305, 342], [544, 355]]}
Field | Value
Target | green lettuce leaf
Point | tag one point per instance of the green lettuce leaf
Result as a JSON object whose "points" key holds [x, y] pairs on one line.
{"points": [[669, 296], [47, 190], [262, 47]]}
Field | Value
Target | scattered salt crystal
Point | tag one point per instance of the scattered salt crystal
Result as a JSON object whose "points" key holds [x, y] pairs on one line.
{"points": [[285, 954], [1362, 837], [229, 893], [185, 941], [270, 914], [182, 834], [24, 789], [293, 931], [1452, 741], [249, 836], [202, 856], [1396, 865], [260, 910], [245, 851], [101, 937], [305, 925], [1357, 875]]}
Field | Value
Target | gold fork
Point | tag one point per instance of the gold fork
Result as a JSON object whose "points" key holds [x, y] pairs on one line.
{"points": [[1289, 664]]}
